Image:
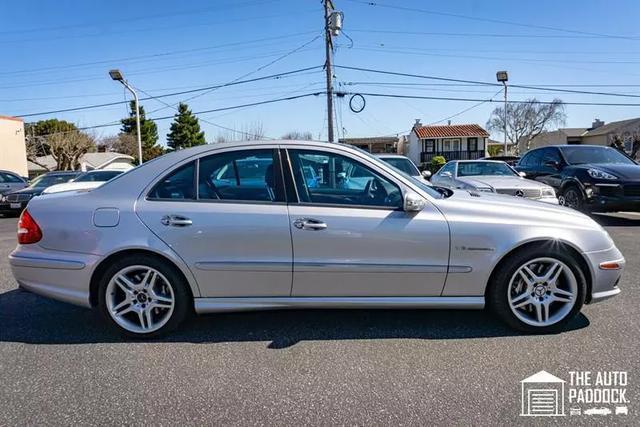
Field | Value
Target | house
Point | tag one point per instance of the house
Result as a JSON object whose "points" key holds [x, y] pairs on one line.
{"points": [[598, 134], [453, 142], [375, 144], [89, 161], [13, 151]]}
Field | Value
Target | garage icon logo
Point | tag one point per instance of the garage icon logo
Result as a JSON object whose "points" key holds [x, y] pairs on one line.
{"points": [[542, 395]]}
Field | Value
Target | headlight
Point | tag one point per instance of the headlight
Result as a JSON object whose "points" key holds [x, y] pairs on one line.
{"points": [[548, 192], [598, 174]]}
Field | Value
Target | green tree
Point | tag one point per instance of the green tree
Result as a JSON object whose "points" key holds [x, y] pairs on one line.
{"points": [[148, 133], [185, 130]]}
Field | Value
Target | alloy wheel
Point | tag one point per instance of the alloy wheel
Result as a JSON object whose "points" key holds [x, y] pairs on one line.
{"points": [[140, 299], [571, 199], [542, 291]]}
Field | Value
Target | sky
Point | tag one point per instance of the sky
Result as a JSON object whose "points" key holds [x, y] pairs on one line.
{"points": [[56, 55]]}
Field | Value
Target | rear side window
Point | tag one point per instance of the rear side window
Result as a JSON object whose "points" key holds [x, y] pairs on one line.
{"points": [[247, 175], [178, 185]]}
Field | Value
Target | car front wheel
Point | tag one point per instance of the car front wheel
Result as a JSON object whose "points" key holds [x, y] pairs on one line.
{"points": [[572, 197], [538, 291], [142, 297]]}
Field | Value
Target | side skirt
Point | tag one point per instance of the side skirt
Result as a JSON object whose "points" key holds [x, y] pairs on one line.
{"points": [[219, 305]]}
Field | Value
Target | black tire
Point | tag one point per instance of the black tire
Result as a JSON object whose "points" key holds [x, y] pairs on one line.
{"points": [[573, 197], [183, 300], [499, 287]]}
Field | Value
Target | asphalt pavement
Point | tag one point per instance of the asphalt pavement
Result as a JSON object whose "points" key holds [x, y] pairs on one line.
{"points": [[60, 365]]}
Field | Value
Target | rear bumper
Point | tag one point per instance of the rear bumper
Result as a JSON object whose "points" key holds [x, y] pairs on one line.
{"points": [[604, 282], [60, 276]]}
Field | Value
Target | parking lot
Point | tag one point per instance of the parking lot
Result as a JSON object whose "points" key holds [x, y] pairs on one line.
{"points": [[59, 365]]}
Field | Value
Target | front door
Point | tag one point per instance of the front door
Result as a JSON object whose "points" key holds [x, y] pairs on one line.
{"points": [[351, 236], [226, 217]]}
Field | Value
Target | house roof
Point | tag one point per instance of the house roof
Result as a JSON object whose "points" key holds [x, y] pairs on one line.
{"points": [[448, 131], [611, 127], [17, 119], [95, 160], [573, 132], [542, 377]]}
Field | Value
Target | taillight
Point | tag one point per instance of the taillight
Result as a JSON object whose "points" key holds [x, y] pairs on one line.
{"points": [[28, 229]]}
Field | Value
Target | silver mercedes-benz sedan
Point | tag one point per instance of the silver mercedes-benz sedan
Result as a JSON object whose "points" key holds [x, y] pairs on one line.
{"points": [[299, 224], [494, 177]]}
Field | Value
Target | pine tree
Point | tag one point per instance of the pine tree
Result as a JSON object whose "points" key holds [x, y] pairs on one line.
{"points": [[148, 133], [185, 130]]}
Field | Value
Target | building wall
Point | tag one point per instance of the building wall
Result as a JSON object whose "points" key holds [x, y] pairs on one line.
{"points": [[555, 137], [13, 154], [413, 148]]}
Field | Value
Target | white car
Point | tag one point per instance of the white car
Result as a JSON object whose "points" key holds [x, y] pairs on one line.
{"points": [[492, 177], [406, 165], [86, 181]]}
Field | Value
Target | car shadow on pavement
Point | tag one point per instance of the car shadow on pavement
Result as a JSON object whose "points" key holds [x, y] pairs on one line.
{"points": [[615, 221], [28, 318]]}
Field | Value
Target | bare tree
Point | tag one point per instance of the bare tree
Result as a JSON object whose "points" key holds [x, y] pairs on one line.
{"points": [[67, 148], [34, 147], [297, 135], [248, 132], [122, 143], [527, 120]]}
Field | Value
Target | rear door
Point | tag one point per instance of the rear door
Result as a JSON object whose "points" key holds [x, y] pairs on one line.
{"points": [[351, 236], [232, 228]]}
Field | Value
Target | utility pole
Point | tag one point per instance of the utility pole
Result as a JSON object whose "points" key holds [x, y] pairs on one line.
{"points": [[328, 10]]}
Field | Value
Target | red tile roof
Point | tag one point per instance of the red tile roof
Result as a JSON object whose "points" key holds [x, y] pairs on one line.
{"points": [[449, 131], [17, 119]]}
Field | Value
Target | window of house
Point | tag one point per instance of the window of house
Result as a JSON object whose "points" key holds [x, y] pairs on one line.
{"points": [[429, 146], [472, 144], [329, 178], [451, 144]]}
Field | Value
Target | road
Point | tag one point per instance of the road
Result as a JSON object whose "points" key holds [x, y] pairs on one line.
{"points": [[60, 365]]}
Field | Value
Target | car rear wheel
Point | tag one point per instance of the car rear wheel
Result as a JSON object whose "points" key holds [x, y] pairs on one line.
{"points": [[142, 297], [538, 290], [572, 197]]}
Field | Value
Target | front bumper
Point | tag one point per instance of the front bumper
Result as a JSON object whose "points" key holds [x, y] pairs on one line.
{"points": [[604, 284], [612, 197], [58, 275], [550, 200]]}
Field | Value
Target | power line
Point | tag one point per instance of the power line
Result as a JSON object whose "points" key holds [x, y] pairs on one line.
{"points": [[490, 20], [108, 104], [467, 109], [490, 35]]}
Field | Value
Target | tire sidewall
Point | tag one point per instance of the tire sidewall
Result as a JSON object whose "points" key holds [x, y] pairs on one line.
{"points": [[183, 300], [498, 300]]}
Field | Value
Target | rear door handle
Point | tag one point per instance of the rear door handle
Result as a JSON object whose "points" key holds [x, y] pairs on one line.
{"points": [[309, 224], [175, 221]]}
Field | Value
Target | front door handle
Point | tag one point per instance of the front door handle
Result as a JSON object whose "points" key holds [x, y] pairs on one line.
{"points": [[309, 224], [175, 221]]}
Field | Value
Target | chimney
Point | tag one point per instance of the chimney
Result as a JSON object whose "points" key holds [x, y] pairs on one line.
{"points": [[596, 124], [417, 124], [448, 122]]}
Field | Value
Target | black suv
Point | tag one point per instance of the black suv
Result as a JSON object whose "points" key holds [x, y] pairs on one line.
{"points": [[586, 177]]}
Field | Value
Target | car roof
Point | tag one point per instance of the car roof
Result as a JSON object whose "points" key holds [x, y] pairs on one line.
{"points": [[476, 161], [391, 156], [62, 173]]}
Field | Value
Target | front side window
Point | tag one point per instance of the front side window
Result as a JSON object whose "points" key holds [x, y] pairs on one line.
{"points": [[532, 160], [340, 180], [7, 177], [247, 175], [449, 167]]}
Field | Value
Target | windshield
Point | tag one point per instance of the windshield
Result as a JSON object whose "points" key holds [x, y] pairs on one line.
{"points": [[405, 165], [484, 168], [44, 181], [100, 176], [592, 154]]}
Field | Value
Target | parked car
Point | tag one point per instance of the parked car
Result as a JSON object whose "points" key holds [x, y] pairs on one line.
{"points": [[405, 164], [493, 177], [12, 203], [10, 181], [510, 160], [586, 177], [163, 240], [85, 181]]}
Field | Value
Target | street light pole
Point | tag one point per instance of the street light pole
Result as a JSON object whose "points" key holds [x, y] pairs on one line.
{"points": [[117, 76], [503, 77]]}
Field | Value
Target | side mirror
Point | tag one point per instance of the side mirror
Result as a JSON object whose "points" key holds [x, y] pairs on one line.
{"points": [[446, 174], [522, 174], [552, 164], [426, 174], [413, 202]]}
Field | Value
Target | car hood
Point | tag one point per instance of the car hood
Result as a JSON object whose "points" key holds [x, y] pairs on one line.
{"points": [[472, 206], [495, 181], [630, 172]]}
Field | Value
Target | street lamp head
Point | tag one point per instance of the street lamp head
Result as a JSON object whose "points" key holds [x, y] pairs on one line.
{"points": [[502, 76], [116, 75]]}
